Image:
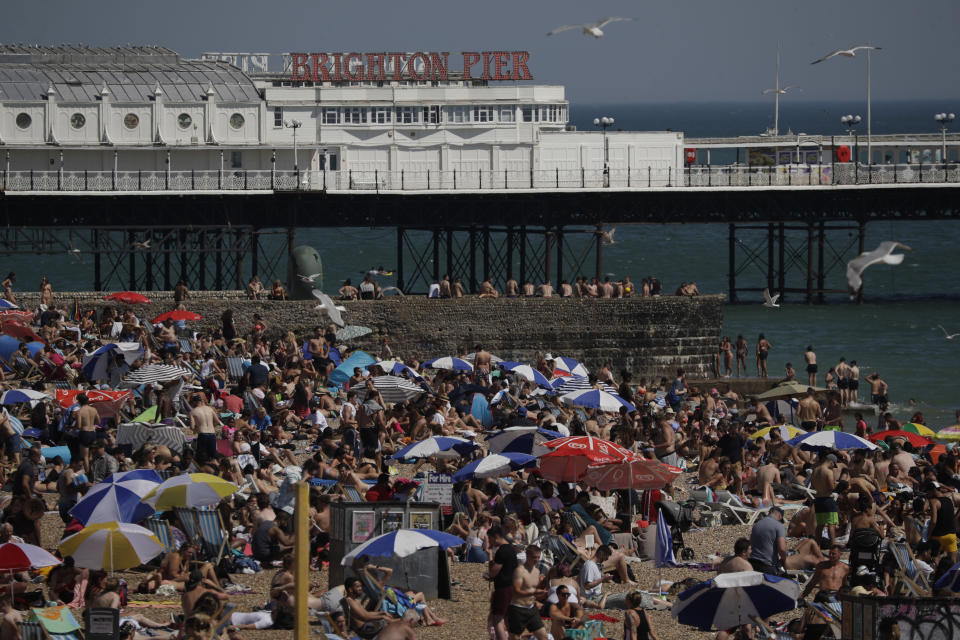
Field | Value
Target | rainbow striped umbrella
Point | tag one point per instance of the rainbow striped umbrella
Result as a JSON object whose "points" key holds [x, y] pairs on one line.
{"points": [[189, 490], [919, 429], [949, 433]]}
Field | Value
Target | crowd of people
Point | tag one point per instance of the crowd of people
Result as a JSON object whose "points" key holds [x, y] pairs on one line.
{"points": [[550, 549]]}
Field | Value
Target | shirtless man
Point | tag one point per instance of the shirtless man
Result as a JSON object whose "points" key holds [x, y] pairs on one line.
{"points": [[401, 629], [878, 391], [528, 290], [830, 576], [809, 410], [709, 467], [843, 371], [811, 359], [740, 560], [861, 466], [109, 598], [566, 291], [86, 418], [10, 620], [564, 613], [767, 476], [205, 422], [523, 614], [458, 288], [511, 288], [664, 445], [853, 383], [445, 288], [546, 290], [824, 483], [481, 366], [487, 290]]}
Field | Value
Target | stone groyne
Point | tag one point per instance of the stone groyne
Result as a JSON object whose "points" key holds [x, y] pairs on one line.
{"points": [[650, 337]]}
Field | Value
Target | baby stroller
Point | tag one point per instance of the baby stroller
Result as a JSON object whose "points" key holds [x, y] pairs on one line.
{"points": [[679, 517]]}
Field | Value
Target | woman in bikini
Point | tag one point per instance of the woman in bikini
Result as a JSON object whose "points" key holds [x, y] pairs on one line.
{"points": [[742, 348]]}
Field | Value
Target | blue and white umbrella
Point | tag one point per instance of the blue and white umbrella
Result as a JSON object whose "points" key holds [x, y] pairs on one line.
{"points": [[818, 440], [494, 466], [434, 445], [99, 364], [6, 304], [732, 599], [402, 543], [521, 440], [449, 363], [563, 385], [16, 396], [569, 367], [118, 498], [664, 551], [950, 580], [395, 368], [596, 399], [526, 372]]}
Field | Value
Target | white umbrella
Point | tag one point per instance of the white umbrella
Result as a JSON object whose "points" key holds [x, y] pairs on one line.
{"points": [[97, 365], [112, 546], [154, 373], [393, 389]]}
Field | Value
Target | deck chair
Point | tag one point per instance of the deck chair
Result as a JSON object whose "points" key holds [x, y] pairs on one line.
{"points": [[372, 589], [185, 346], [352, 494], [825, 618], [222, 621], [768, 631], [57, 623], [348, 618], [205, 527], [235, 367], [161, 529], [31, 631], [574, 519], [907, 575], [24, 368]]}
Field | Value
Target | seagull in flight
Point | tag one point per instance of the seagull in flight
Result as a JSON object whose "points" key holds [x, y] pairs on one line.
{"points": [[884, 253], [847, 53], [770, 302], [74, 253], [606, 237], [310, 278], [399, 293], [781, 91], [141, 245], [326, 304], [590, 28], [948, 336]]}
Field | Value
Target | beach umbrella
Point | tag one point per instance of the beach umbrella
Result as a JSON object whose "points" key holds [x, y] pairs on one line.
{"points": [[20, 556], [563, 366], [118, 498], [8, 344], [20, 332], [112, 546], [393, 389], [352, 332], [6, 304], [950, 580], [949, 433], [494, 466], [434, 445], [912, 438], [97, 365], [791, 389], [521, 440], [732, 599], [177, 315], [343, 372], [394, 367], [402, 543], [632, 473], [663, 556], [494, 360], [919, 429], [449, 363], [154, 373], [596, 399], [15, 315], [15, 396], [570, 457], [526, 372], [786, 432], [189, 490], [128, 297], [564, 386], [830, 440]]}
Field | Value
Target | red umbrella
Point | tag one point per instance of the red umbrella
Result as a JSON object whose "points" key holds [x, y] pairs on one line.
{"points": [[20, 332], [128, 297], [15, 315], [177, 315], [570, 457], [635, 473], [913, 438]]}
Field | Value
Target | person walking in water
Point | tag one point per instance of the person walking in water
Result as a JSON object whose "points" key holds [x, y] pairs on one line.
{"points": [[811, 359], [763, 349]]}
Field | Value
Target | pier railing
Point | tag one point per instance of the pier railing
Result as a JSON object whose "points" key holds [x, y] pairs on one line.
{"points": [[697, 176]]}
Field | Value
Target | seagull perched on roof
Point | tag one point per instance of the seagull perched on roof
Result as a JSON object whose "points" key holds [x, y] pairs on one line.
{"points": [[326, 304], [884, 253], [770, 302], [848, 53], [310, 278], [590, 28]]}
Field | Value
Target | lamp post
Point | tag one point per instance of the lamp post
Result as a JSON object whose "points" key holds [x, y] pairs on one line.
{"points": [[850, 123], [851, 53], [294, 124], [603, 123], [944, 119]]}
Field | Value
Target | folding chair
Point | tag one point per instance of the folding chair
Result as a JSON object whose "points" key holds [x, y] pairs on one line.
{"points": [[31, 631], [24, 368], [185, 346], [373, 589], [205, 527], [741, 513], [235, 367], [57, 623], [161, 529], [907, 575], [574, 519], [352, 494], [223, 620]]}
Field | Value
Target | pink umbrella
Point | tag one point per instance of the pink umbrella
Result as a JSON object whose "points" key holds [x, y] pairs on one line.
{"points": [[635, 473], [570, 457]]}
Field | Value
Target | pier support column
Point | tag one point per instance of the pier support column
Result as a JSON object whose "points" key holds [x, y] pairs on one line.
{"points": [[732, 262], [821, 275], [781, 271], [810, 266], [400, 282], [770, 244]]}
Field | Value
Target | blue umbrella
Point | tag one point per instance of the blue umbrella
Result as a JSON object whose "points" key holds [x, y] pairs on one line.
{"points": [[732, 599], [494, 466], [521, 440], [664, 556], [526, 372], [569, 366], [402, 543], [819, 440], [118, 498], [395, 368], [342, 373], [596, 399], [15, 396], [6, 304], [99, 364], [434, 445], [453, 364], [950, 580], [8, 344]]}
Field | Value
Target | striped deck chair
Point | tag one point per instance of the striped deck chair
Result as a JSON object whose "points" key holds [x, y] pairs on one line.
{"points": [[24, 368], [907, 575], [573, 519], [161, 529], [235, 367], [372, 589], [185, 346], [352, 494], [31, 631], [205, 527]]}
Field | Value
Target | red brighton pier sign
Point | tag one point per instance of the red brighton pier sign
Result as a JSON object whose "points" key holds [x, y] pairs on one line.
{"points": [[381, 67]]}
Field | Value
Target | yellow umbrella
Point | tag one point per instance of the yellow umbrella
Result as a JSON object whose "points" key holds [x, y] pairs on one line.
{"points": [[919, 429], [112, 546], [949, 433], [786, 430], [189, 490]]}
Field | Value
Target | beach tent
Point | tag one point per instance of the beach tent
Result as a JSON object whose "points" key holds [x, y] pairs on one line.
{"points": [[357, 359]]}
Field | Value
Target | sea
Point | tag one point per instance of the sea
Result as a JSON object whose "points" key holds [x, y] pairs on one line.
{"points": [[895, 332]]}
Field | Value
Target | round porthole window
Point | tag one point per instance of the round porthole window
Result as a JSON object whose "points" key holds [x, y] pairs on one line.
{"points": [[77, 121], [131, 120], [236, 121], [24, 120], [184, 120]]}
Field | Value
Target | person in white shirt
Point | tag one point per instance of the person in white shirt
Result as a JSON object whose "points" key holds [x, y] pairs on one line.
{"points": [[592, 579]]}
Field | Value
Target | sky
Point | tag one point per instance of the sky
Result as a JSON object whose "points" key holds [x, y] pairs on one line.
{"points": [[675, 51]]}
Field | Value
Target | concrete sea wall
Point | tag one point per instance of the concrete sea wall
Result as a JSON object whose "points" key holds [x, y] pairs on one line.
{"points": [[649, 337]]}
